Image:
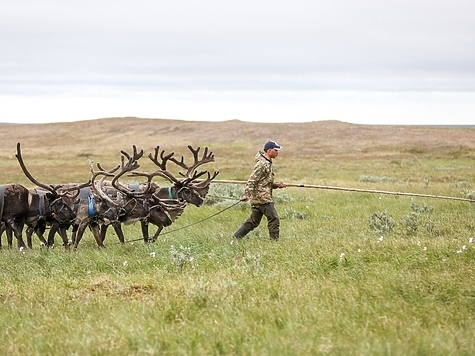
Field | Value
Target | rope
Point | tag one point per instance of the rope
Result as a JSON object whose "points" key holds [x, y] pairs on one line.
{"points": [[195, 223], [221, 197], [355, 190]]}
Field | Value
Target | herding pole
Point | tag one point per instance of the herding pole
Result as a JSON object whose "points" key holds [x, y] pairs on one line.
{"points": [[354, 190]]}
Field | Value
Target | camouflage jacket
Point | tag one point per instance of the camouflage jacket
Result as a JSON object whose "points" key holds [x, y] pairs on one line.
{"points": [[260, 184]]}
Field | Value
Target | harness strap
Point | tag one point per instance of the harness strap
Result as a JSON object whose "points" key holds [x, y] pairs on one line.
{"points": [[146, 208], [41, 204], [170, 192], [90, 205]]}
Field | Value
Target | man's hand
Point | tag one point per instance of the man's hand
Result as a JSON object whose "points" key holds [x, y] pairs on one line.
{"points": [[244, 198], [281, 185]]}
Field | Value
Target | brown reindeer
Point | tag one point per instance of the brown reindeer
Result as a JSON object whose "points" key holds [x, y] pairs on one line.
{"points": [[33, 207], [13, 211], [138, 202], [95, 207], [187, 188]]}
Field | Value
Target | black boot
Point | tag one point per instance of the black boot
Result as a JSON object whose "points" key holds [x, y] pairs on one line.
{"points": [[240, 233]]}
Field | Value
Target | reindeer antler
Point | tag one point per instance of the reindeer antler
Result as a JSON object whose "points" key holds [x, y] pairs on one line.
{"points": [[19, 157], [58, 190], [97, 187], [160, 173], [163, 164], [191, 174], [204, 183], [205, 158], [127, 166], [172, 206]]}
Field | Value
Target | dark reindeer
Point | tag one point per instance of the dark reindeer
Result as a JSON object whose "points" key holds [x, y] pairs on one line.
{"points": [[14, 208], [147, 210], [95, 207], [201, 187], [20, 206], [138, 203], [187, 188]]}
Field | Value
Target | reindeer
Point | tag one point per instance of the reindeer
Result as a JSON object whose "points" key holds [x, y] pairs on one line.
{"points": [[147, 209], [186, 189], [201, 187], [13, 211], [95, 207], [40, 217], [138, 203], [33, 207]]}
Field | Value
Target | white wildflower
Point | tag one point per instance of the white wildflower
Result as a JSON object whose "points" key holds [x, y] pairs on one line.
{"points": [[470, 240], [125, 264], [424, 249], [464, 247], [381, 239], [342, 255], [152, 254]]}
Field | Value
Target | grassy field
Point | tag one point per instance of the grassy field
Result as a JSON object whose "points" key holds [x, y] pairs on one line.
{"points": [[353, 273]]}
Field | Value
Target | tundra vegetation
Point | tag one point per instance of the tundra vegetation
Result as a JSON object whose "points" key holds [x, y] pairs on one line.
{"points": [[353, 273]]}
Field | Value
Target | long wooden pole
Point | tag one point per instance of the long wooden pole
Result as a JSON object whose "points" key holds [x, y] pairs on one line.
{"points": [[354, 190]]}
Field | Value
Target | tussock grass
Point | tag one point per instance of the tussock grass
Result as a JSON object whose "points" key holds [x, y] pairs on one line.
{"points": [[333, 284], [330, 285]]}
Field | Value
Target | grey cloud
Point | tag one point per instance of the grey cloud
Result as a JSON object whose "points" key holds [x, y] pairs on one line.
{"points": [[298, 45]]}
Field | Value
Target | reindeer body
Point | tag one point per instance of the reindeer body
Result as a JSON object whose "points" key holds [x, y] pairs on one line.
{"points": [[137, 205], [14, 210]]}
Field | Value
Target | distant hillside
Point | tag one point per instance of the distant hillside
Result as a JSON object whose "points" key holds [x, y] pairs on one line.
{"points": [[59, 152], [316, 137]]}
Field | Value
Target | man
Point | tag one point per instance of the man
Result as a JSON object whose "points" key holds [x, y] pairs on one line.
{"points": [[258, 190]]}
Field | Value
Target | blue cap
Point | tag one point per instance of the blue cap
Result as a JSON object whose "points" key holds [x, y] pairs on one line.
{"points": [[272, 145]]}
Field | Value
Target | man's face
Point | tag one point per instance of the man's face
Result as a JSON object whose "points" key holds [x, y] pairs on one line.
{"points": [[272, 153]]}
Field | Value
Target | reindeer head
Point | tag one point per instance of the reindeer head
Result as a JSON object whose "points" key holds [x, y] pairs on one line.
{"points": [[187, 188]]}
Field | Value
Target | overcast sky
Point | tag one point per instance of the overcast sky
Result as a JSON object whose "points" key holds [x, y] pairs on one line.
{"points": [[361, 61]]}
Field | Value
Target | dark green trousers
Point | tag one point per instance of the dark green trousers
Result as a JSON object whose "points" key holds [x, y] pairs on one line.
{"points": [[257, 212]]}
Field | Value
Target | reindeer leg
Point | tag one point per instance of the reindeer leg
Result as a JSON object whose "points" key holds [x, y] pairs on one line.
{"points": [[28, 232], [74, 234], [97, 234], [77, 235], [17, 229], [159, 230], [9, 238], [52, 231], [56, 228], [63, 232], [144, 226], [42, 239], [39, 230], [119, 232], [104, 231]]}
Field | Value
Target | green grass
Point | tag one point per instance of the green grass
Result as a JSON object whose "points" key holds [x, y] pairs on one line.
{"points": [[353, 273], [330, 285]]}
